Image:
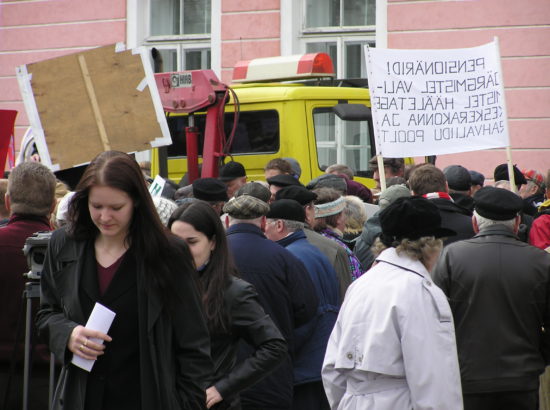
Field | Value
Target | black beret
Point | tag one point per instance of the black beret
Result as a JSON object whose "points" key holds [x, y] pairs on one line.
{"points": [[412, 218], [287, 209], [501, 174], [299, 193], [232, 170], [283, 180], [246, 207], [497, 204], [210, 189], [458, 177], [477, 178]]}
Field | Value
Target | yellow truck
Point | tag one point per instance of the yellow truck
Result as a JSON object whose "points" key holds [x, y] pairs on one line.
{"points": [[319, 121]]}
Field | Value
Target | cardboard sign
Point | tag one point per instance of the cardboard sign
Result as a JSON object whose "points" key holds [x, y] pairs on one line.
{"points": [[82, 104], [431, 102]]}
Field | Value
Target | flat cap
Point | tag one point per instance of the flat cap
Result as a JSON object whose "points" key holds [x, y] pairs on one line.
{"points": [[246, 207], [497, 204], [231, 171], [411, 218], [458, 177], [391, 194], [210, 189], [477, 177], [254, 189], [299, 193], [333, 181], [283, 180], [534, 176], [287, 209], [501, 174]]}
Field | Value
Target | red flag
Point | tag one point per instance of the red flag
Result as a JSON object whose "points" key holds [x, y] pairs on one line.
{"points": [[7, 125]]}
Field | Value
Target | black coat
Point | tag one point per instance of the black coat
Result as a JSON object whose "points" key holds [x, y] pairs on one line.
{"points": [[173, 347], [454, 217], [499, 292], [248, 322]]}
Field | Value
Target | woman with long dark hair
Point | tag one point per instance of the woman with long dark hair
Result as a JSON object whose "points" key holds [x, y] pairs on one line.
{"points": [[231, 306], [115, 251]]}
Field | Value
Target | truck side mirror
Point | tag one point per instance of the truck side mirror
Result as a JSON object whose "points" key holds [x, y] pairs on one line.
{"points": [[352, 112]]}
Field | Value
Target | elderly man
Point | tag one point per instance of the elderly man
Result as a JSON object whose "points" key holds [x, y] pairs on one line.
{"points": [[30, 199], [393, 167], [285, 224], [498, 288], [285, 291]]}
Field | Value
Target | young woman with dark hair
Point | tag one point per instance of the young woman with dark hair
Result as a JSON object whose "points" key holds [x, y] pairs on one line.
{"points": [[231, 305], [116, 252]]}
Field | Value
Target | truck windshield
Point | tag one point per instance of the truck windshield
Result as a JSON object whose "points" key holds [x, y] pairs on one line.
{"points": [[342, 142], [257, 132]]}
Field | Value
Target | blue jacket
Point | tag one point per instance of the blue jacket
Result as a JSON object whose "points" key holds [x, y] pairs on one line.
{"points": [[311, 339], [288, 296]]}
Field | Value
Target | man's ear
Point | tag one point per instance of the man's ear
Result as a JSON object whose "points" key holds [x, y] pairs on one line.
{"points": [[263, 223], [517, 223], [280, 225], [474, 224], [7, 202]]}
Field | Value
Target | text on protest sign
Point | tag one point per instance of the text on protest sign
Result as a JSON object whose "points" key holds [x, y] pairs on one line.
{"points": [[430, 102]]}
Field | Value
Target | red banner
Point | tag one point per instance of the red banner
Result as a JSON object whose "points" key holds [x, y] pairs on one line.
{"points": [[7, 125]]}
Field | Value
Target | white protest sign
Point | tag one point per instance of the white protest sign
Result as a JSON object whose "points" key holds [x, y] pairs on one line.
{"points": [[156, 188], [431, 102]]}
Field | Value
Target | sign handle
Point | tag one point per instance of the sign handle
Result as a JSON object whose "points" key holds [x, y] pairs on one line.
{"points": [[93, 101], [381, 172], [511, 176]]}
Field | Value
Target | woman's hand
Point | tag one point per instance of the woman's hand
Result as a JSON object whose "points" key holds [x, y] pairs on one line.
{"points": [[81, 345], [213, 396]]}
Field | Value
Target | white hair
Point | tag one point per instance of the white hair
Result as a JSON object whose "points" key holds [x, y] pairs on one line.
{"points": [[483, 222]]}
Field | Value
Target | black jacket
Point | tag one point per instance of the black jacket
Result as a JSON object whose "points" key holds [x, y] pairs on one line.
{"points": [[248, 322], [499, 291], [173, 347], [454, 217]]}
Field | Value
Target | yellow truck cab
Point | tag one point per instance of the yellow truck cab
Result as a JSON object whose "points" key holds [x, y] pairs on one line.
{"points": [[283, 119]]}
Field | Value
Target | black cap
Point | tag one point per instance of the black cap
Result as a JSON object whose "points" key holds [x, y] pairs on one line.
{"points": [[299, 193], [254, 189], [501, 174], [210, 189], [283, 180], [458, 177], [497, 204], [477, 178], [231, 171], [287, 209], [411, 218]]}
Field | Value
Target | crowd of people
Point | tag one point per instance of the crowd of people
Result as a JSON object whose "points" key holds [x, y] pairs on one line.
{"points": [[281, 294]]}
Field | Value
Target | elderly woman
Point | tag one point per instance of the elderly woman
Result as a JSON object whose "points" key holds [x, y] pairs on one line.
{"points": [[393, 346], [330, 221]]}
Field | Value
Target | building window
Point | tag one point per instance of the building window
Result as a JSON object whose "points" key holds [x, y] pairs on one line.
{"points": [[180, 31], [340, 28]]}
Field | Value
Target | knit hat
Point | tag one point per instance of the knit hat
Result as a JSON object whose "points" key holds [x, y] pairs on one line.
{"points": [[246, 207], [299, 193], [501, 174], [534, 176], [287, 209], [165, 207], [210, 189], [255, 189], [458, 177], [391, 194], [497, 204], [411, 218], [232, 170], [330, 208]]}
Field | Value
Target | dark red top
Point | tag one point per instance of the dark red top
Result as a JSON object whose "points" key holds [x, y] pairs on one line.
{"points": [[105, 275]]}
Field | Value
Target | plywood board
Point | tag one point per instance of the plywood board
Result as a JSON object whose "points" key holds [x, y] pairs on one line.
{"points": [[93, 101]]}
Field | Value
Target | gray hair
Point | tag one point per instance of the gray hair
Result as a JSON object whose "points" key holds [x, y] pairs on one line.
{"points": [[483, 222], [291, 226], [31, 188]]}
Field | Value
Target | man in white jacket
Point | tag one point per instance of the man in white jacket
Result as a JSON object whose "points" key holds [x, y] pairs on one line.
{"points": [[393, 346]]}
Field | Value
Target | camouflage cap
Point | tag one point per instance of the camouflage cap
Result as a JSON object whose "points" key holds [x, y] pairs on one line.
{"points": [[246, 207]]}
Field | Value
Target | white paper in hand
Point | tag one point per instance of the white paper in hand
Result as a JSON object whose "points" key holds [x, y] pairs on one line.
{"points": [[100, 319]]}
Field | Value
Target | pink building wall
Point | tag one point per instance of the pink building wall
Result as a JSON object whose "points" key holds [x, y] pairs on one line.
{"points": [[250, 29], [32, 31], [524, 37]]}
